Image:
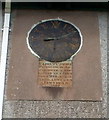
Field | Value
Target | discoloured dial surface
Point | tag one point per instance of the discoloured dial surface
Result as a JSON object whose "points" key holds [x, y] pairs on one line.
{"points": [[54, 40]]}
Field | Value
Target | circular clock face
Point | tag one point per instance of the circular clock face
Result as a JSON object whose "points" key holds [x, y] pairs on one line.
{"points": [[54, 40]]}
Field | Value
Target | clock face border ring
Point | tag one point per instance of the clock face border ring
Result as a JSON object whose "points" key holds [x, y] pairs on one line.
{"points": [[59, 19]]}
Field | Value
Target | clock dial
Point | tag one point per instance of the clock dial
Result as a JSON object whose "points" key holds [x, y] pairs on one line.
{"points": [[54, 40]]}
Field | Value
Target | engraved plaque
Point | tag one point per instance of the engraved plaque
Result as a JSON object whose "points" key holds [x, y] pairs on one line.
{"points": [[55, 74]]}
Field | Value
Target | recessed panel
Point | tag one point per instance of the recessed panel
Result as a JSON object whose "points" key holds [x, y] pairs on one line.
{"points": [[22, 83]]}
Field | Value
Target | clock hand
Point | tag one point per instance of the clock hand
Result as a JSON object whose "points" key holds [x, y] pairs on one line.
{"points": [[49, 39], [57, 38], [66, 35], [54, 45]]}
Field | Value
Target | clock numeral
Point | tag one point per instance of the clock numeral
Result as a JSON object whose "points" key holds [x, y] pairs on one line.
{"points": [[65, 26], [38, 31], [67, 53], [44, 26], [32, 38], [69, 29], [74, 46], [55, 24]]}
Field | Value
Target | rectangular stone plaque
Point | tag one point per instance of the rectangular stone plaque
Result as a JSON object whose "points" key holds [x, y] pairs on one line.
{"points": [[55, 74]]}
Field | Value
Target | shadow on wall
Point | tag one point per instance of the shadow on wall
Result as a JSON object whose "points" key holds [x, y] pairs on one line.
{"points": [[54, 91]]}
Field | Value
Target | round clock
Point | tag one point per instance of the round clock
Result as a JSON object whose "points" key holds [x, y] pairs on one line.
{"points": [[54, 40]]}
